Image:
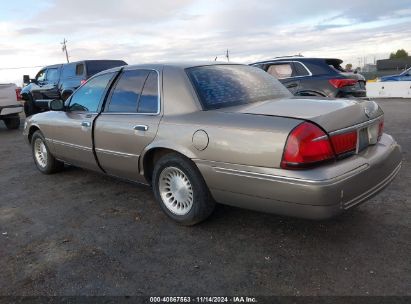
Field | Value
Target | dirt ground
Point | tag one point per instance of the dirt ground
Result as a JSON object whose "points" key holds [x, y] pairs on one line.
{"points": [[81, 233]]}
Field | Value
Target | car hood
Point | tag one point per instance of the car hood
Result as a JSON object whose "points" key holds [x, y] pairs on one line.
{"points": [[330, 114], [390, 77]]}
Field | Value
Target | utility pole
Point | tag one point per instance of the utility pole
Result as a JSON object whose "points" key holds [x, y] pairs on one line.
{"points": [[64, 49], [228, 56]]}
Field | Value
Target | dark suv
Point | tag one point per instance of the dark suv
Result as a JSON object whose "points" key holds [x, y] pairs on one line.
{"points": [[315, 76], [59, 82]]}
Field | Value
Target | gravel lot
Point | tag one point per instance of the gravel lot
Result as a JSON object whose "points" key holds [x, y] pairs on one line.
{"points": [[81, 233]]}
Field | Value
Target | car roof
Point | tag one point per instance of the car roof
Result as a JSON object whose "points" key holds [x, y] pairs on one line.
{"points": [[83, 61], [298, 58], [181, 64]]}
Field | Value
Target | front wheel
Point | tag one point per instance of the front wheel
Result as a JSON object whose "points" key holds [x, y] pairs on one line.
{"points": [[43, 159], [181, 190]]}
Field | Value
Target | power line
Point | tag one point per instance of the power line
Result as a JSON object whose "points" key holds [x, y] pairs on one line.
{"points": [[18, 68]]}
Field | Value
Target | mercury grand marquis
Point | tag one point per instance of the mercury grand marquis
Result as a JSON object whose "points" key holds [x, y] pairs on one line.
{"points": [[201, 133]]}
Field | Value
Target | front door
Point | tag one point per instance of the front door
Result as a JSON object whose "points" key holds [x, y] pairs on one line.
{"points": [[128, 123], [73, 140]]}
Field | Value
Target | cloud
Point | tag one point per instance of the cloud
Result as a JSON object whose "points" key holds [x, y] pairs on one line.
{"points": [[160, 30]]}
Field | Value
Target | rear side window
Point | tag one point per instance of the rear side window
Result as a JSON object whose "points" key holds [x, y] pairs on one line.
{"points": [[88, 97], [219, 86], [149, 97], [281, 70], [68, 70], [52, 75], [79, 69], [126, 94], [300, 70]]}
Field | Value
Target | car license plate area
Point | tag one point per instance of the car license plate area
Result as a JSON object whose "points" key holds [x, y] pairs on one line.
{"points": [[367, 136]]}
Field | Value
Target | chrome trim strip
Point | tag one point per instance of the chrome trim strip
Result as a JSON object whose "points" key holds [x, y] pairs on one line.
{"points": [[280, 178], [374, 190], [356, 127], [116, 153], [71, 145]]}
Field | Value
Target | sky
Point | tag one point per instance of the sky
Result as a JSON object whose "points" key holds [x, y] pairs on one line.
{"points": [[138, 31]]}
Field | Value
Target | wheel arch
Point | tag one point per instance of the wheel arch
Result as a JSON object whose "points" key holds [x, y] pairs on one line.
{"points": [[32, 129], [152, 153]]}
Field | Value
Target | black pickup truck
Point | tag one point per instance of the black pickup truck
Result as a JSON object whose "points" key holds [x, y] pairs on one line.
{"points": [[59, 81]]}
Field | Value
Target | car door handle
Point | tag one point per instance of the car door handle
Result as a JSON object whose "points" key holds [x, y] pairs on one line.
{"points": [[292, 85], [141, 128], [86, 124]]}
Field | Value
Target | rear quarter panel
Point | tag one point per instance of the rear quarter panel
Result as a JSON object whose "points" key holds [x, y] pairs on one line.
{"points": [[236, 138]]}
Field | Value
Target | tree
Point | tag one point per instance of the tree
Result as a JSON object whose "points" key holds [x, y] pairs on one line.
{"points": [[399, 54]]}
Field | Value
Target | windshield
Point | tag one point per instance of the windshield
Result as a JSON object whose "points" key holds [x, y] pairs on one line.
{"points": [[219, 86], [406, 72]]}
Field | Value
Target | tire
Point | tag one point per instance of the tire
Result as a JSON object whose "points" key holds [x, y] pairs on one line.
{"points": [[44, 160], [191, 203], [29, 106], [12, 123]]}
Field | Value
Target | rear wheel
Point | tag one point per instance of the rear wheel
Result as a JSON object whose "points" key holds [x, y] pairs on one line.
{"points": [[181, 190], [12, 122], [43, 159]]}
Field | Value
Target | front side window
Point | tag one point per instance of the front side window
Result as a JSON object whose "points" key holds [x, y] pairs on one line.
{"points": [[126, 94], [41, 75], [52, 75], [88, 97], [280, 71], [219, 86]]}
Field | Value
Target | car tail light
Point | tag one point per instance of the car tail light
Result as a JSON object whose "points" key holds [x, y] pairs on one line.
{"points": [[380, 128], [341, 82], [306, 145], [18, 95], [343, 143], [83, 81]]}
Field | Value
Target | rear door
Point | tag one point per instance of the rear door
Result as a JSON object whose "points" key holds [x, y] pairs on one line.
{"points": [[284, 71], [73, 134], [128, 123]]}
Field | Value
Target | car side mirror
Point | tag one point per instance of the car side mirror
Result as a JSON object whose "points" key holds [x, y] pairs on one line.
{"points": [[56, 105], [26, 79]]}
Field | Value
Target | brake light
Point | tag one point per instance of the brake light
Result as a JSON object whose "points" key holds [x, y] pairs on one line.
{"points": [[83, 81], [342, 82], [380, 128], [18, 95], [343, 143], [306, 145]]}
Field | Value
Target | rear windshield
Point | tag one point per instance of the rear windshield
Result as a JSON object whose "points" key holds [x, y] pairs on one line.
{"points": [[221, 86], [94, 67], [335, 64]]}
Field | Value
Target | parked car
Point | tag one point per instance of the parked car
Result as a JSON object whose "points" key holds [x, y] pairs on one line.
{"points": [[404, 76], [200, 133], [315, 76], [10, 105], [60, 81]]}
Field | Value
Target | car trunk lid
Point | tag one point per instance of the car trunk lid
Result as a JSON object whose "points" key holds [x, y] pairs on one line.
{"points": [[330, 114]]}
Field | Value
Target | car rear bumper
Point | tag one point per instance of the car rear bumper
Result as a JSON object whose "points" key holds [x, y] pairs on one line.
{"points": [[314, 194], [11, 109]]}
